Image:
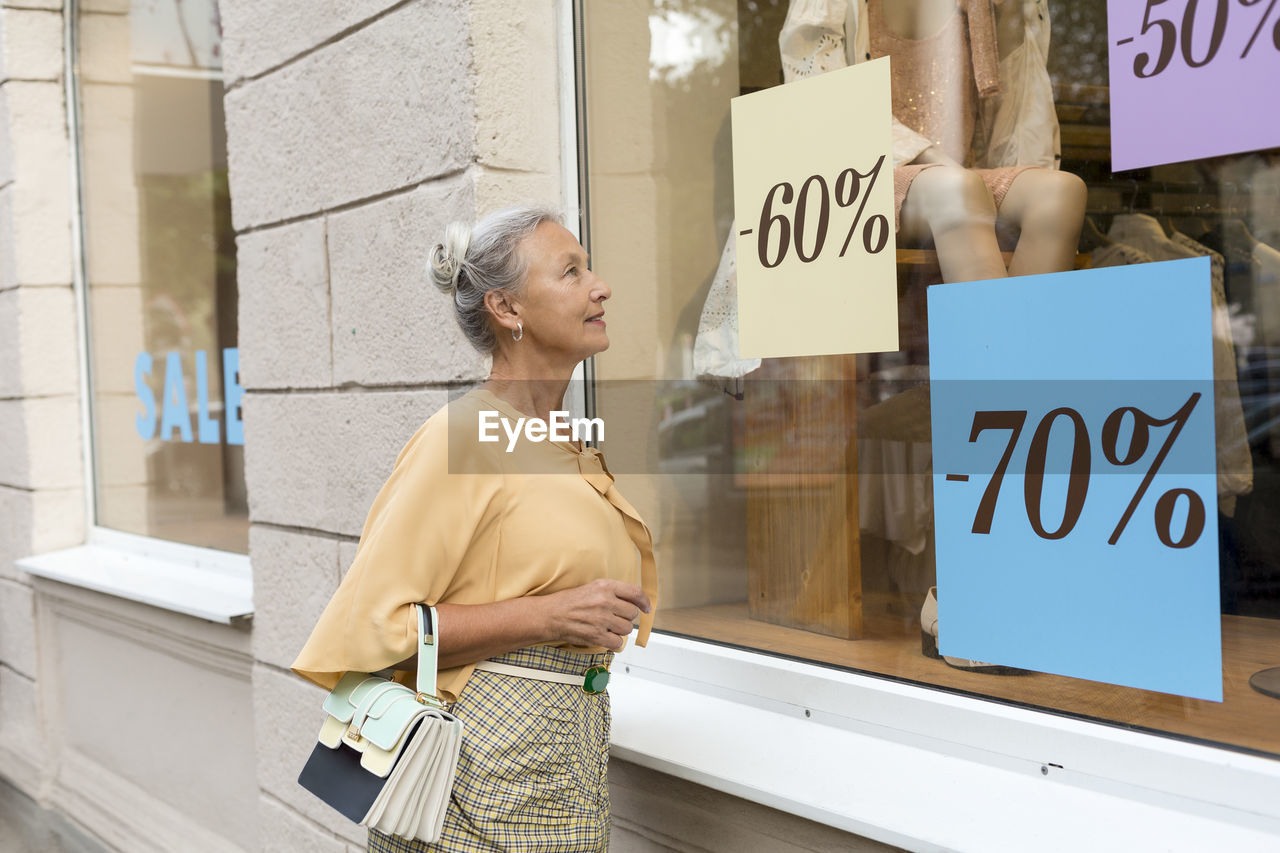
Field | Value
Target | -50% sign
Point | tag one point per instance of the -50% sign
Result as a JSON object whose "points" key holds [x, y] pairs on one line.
{"points": [[1175, 37], [776, 217], [1115, 451], [1192, 79]]}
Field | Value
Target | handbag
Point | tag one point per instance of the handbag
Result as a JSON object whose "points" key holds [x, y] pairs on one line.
{"points": [[387, 754]]}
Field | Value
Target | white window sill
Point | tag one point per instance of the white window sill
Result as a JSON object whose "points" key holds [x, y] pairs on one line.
{"points": [[929, 770], [212, 585]]}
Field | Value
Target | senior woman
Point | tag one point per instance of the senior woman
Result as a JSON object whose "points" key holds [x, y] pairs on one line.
{"points": [[528, 554]]}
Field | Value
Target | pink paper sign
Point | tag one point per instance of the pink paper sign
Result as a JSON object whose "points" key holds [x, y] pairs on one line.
{"points": [[1192, 79]]}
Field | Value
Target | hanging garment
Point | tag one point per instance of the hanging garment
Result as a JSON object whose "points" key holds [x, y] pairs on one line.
{"points": [[895, 491], [1019, 125], [1235, 462], [1265, 261], [1243, 274], [895, 469], [715, 349], [1118, 255], [1266, 280]]}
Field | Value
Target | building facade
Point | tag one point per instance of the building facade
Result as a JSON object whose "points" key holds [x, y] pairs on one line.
{"points": [[216, 334]]}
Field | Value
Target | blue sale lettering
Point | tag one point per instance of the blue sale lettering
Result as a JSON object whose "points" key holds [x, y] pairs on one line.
{"points": [[233, 393], [208, 427], [175, 413], [145, 422]]}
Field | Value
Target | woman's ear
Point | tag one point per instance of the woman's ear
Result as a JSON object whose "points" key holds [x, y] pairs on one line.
{"points": [[503, 310]]}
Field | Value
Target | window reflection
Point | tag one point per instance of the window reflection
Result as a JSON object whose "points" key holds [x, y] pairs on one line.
{"points": [[791, 500], [160, 256]]}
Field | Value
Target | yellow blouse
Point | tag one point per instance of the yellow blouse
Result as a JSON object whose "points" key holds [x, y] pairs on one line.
{"points": [[462, 521]]}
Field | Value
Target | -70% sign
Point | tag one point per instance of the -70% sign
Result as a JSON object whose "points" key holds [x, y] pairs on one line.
{"points": [[1087, 399], [1081, 468], [848, 191]]}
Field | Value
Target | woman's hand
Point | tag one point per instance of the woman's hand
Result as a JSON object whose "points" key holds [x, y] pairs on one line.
{"points": [[599, 613]]}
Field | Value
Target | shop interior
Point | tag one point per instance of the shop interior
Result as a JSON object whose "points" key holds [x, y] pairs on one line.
{"points": [[792, 504]]}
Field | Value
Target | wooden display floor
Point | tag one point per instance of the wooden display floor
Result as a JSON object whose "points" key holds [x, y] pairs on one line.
{"points": [[1245, 719]]}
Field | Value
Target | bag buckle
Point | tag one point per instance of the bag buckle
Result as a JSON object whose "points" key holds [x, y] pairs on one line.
{"points": [[430, 700], [595, 679]]}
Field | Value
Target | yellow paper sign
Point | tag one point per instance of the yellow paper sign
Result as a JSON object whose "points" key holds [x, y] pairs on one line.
{"points": [[813, 193]]}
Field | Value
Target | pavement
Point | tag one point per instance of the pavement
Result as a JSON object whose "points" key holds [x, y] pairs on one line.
{"points": [[26, 827]]}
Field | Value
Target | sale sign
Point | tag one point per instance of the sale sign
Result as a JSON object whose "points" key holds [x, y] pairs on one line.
{"points": [[1192, 79], [1074, 480], [813, 193]]}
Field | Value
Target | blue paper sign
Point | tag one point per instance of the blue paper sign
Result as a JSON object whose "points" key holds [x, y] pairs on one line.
{"points": [[1074, 475]]}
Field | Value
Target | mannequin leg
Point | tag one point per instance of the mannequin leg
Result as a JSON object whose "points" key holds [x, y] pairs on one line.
{"points": [[953, 208], [1046, 208]]}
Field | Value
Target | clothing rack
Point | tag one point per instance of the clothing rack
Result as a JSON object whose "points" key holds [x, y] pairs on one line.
{"points": [[1192, 198]]}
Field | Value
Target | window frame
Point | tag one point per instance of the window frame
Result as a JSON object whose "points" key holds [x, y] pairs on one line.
{"points": [[924, 767], [199, 581]]}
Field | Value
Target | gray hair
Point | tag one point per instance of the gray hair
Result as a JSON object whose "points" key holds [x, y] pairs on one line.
{"points": [[474, 260]]}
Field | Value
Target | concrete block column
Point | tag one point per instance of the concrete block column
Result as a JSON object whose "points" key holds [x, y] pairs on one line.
{"points": [[41, 483], [356, 133]]}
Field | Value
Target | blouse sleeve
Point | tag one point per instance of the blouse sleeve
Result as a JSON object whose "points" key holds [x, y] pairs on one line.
{"points": [[821, 35], [812, 40], [418, 530]]}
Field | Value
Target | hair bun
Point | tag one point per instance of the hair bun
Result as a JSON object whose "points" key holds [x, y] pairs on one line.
{"points": [[448, 258]]}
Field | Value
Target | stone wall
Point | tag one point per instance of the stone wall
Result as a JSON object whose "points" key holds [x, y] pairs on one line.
{"points": [[41, 482], [356, 132]]}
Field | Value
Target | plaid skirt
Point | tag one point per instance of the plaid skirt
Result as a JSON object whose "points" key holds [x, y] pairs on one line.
{"points": [[532, 775]]}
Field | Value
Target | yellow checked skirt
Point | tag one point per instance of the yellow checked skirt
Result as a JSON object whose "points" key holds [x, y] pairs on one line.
{"points": [[532, 775]]}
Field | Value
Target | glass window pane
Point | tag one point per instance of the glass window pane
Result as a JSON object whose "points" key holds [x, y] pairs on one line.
{"points": [[160, 255], [791, 500]]}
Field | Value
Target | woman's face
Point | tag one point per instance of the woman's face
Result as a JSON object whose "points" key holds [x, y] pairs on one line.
{"points": [[562, 305]]}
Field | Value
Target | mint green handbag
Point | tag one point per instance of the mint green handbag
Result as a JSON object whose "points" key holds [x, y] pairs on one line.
{"points": [[387, 753]]}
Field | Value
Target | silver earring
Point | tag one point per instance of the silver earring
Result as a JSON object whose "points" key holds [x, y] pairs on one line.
{"points": [[516, 336]]}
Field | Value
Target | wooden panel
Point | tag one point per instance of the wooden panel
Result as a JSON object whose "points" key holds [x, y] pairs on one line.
{"points": [[923, 264], [802, 500]]}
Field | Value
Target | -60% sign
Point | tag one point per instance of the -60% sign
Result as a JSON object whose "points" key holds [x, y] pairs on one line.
{"points": [[813, 217], [794, 224], [1142, 423], [1179, 37]]}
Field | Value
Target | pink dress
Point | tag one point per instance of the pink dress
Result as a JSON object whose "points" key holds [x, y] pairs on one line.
{"points": [[934, 94]]}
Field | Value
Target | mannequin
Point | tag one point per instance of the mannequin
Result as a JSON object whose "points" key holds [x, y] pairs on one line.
{"points": [[940, 135], [975, 143], [942, 202]]}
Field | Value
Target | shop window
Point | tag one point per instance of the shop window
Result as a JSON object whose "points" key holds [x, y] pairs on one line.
{"points": [[161, 273], [791, 500]]}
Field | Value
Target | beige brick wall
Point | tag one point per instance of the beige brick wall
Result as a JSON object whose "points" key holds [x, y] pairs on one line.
{"points": [[356, 132], [41, 505]]}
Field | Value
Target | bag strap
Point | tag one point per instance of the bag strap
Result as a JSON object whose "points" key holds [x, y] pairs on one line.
{"points": [[428, 643]]}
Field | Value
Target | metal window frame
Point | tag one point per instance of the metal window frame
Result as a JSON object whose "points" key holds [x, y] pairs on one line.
{"points": [[723, 716], [106, 545]]}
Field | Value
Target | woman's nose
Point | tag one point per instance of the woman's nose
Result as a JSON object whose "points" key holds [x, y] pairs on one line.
{"points": [[601, 291]]}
